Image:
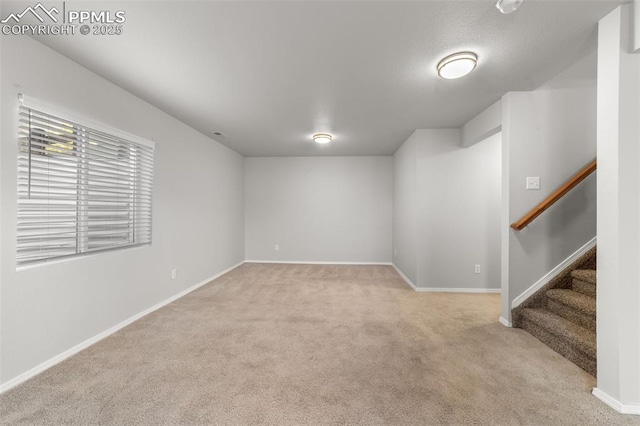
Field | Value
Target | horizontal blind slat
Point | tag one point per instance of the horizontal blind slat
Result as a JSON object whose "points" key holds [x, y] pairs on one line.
{"points": [[50, 160]]}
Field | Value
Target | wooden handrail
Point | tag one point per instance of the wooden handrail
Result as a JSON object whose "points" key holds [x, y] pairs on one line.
{"points": [[551, 199]]}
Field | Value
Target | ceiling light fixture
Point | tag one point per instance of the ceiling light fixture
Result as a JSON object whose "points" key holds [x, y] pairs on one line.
{"points": [[322, 138], [457, 65], [507, 6]]}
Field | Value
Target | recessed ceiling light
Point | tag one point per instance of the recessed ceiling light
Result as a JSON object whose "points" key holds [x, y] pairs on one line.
{"points": [[457, 65], [322, 138], [508, 6]]}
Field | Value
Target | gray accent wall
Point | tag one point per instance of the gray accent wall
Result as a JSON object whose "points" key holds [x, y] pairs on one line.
{"points": [[448, 211], [319, 209], [549, 133], [458, 211], [405, 208], [198, 217]]}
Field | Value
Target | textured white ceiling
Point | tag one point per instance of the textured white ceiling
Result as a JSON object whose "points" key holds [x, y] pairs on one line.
{"points": [[270, 74]]}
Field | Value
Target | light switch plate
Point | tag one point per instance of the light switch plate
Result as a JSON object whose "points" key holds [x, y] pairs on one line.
{"points": [[533, 183]]}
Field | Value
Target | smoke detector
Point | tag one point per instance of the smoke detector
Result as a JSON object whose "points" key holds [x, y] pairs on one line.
{"points": [[508, 6]]}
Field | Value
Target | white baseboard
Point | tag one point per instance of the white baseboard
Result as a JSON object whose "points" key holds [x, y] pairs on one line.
{"points": [[553, 273], [302, 262], [74, 350], [444, 290], [505, 322], [404, 277], [458, 290], [615, 404]]}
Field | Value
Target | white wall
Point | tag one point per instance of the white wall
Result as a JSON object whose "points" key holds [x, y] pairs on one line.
{"points": [[198, 224], [636, 25], [618, 295], [405, 208], [319, 209], [550, 133], [458, 211], [455, 223], [483, 125]]}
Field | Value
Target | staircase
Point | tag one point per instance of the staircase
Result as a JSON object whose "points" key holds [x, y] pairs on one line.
{"points": [[563, 313]]}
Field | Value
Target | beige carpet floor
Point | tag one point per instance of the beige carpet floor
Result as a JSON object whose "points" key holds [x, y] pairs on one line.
{"points": [[311, 344]]}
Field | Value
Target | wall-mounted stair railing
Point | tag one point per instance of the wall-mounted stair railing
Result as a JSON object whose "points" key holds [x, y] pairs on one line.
{"points": [[557, 194]]}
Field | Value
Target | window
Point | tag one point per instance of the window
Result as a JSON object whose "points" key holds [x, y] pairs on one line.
{"points": [[80, 190]]}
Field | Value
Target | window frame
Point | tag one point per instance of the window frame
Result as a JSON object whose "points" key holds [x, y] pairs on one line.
{"points": [[82, 245]]}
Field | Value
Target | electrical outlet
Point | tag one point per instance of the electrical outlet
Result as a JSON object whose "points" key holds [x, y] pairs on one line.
{"points": [[174, 273], [276, 247], [395, 251], [477, 270]]}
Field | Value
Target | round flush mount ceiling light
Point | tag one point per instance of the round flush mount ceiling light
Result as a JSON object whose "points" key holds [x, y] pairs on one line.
{"points": [[457, 65], [322, 138], [508, 6]]}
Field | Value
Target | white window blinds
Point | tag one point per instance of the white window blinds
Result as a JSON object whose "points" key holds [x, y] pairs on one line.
{"points": [[80, 190]]}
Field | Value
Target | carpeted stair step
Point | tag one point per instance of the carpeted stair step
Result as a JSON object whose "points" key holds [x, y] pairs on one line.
{"points": [[573, 306], [584, 281], [575, 343], [588, 275]]}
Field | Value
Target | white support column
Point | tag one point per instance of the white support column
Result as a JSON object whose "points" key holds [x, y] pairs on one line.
{"points": [[505, 301], [636, 25], [618, 297]]}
